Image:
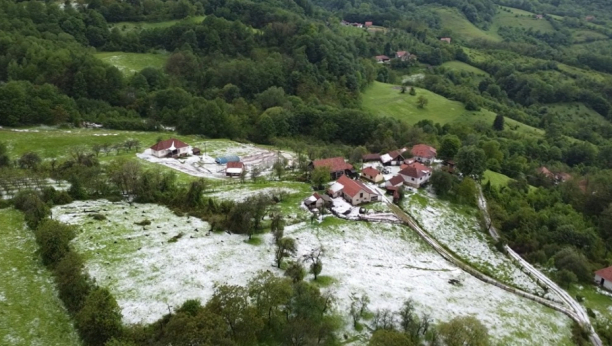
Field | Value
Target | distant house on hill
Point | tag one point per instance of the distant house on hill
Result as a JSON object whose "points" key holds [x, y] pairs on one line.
{"points": [[556, 177], [546, 172], [416, 174], [424, 153], [355, 192], [589, 18], [372, 174], [446, 39], [382, 59], [337, 166], [170, 147], [234, 169], [603, 278], [539, 16], [368, 24], [405, 56]]}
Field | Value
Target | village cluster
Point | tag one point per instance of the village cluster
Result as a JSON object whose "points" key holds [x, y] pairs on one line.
{"points": [[390, 171]]}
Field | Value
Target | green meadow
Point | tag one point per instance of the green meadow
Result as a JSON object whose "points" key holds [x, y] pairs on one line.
{"points": [[31, 312], [130, 63], [386, 100]]}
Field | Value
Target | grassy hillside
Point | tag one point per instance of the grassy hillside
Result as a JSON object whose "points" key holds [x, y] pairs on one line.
{"points": [[129, 63], [461, 66], [137, 26], [386, 100], [463, 28], [496, 179], [580, 36], [513, 17], [32, 314]]}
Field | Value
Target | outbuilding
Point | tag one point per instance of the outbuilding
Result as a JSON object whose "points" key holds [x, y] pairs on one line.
{"points": [[225, 159], [603, 278], [234, 169]]}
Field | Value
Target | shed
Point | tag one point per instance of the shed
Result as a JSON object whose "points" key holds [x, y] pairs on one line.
{"points": [[225, 159], [603, 278], [196, 151]]}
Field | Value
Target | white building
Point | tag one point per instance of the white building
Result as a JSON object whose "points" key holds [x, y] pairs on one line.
{"points": [[603, 278], [415, 174], [170, 147]]}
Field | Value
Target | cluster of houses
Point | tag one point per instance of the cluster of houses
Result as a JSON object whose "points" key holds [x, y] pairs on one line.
{"points": [[401, 55], [357, 25], [412, 172]]}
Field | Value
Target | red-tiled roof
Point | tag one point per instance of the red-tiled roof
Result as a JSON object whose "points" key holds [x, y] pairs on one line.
{"points": [[396, 180], [316, 195], [372, 172], [415, 170], [400, 53], [368, 23], [235, 165], [446, 39], [422, 150], [564, 176], [605, 273], [546, 172], [335, 164], [382, 57], [163, 145], [370, 157], [352, 187]]}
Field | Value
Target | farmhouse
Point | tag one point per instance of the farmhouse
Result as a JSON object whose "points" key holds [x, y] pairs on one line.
{"points": [[355, 192], [546, 172], [415, 174], [589, 18], [372, 174], [539, 16], [382, 59], [234, 169], [368, 24], [370, 157], [603, 278], [423, 153], [337, 166], [404, 55], [170, 147], [446, 39]]}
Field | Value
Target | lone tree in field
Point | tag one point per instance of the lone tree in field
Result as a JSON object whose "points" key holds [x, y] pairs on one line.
{"points": [[255, 173], [316, 265], [422, 101], [279, 166], [498, 123], [277, 227], [412, 91], [284, 248]]}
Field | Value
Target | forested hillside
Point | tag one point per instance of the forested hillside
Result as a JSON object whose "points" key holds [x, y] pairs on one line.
{"points": [[292, 73]]}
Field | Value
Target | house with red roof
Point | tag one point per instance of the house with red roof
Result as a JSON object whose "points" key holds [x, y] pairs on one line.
{"points": [[170, 147], [404, 55], [355, 192], [372, 174], [416, 174], [382, 59], [368, 24], [394, 157], [234, 169], [317, 201], [603, 278], [424, 153], [337, 166], [394, 183], [370, 157]]}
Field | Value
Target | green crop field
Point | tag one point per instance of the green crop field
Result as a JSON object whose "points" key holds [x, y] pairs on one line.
{"points": [[130, 63], [496, 179], [463, 28], [137, 26], [461, 66], [512, 17], [386, 100], [32, 313]]}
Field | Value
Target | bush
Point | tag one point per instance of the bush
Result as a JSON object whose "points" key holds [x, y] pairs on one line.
{"points": [[53, 238], [32, 206], [100, 318], [72, 283], [143, 223], [98, 217]]}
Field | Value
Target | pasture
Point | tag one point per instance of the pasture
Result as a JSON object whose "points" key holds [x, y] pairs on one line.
{"points": [[138, 26], [130, 63], [32, 313], [462, 28], [513, 17], [386, 100], [463, 67]]}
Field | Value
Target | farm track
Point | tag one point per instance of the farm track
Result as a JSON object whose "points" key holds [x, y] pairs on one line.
{"points": [[569, 306], [579, 315]]}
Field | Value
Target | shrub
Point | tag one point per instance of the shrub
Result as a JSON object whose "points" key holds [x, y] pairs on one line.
{"points": [[143, 223], [98, 217], [53, 238]]}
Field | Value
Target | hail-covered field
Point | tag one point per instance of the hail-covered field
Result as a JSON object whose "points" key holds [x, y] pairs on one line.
{"points": [[150, 275], [457, 228]]}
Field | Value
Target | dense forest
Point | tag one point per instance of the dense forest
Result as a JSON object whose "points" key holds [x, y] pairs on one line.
{"points": [[288, 73]]}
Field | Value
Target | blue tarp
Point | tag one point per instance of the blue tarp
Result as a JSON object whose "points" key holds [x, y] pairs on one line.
{"points": [[225, 159]]}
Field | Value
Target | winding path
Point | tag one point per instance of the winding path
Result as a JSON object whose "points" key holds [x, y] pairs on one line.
{"points": [[569, 306], [580, 315]]}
